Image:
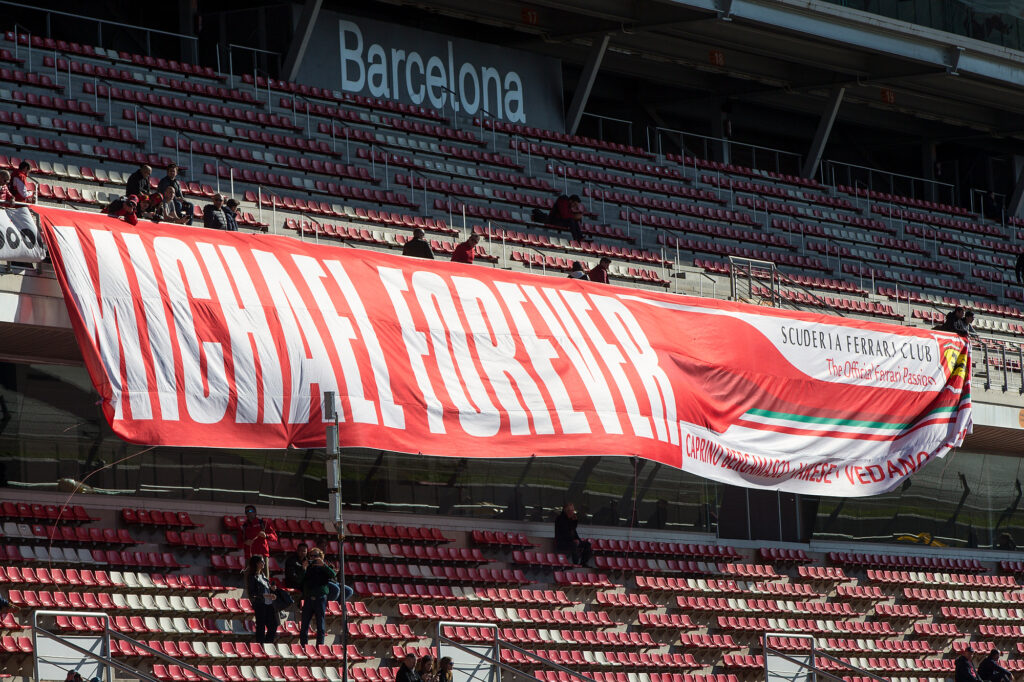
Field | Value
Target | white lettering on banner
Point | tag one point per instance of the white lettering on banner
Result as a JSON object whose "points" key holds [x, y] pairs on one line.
{"points": [[613, 360], [252, 343], [462, 87], [579, 356], [341, 332], [113, 328], [160, 352], [415, 345], [541, 353], [496, 348], [206, 395], [481, 419], [631, 338], [308, 360], [391, 414]]}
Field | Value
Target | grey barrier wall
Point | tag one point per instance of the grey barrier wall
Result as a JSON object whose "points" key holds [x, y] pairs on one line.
{"points": [[454, 75]]}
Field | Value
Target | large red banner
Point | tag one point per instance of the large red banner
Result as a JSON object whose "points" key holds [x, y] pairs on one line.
{"points": [[198, 337]]}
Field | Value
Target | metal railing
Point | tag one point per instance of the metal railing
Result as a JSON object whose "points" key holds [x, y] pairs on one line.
{"points": [[998, 355], [835, 173], [740, 153], [108, 660], [499, 646], [619, 121], [812, 667], [743, 268], [100, 23]]}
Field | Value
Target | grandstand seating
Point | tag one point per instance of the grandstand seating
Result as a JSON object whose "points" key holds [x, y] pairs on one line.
{"points": [[647, 617], [370, 170]]}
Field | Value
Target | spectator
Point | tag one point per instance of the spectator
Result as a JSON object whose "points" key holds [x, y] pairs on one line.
{"points": [[659, 518], [231, 213], [968, 325], [425, 669], [170, 209], [6, 197], [148, 205], [22, 187], [577, 271], [965, 671], [465, 251], [125, 208], [214, 215], [138, 182], [567, 540], [953, 321], [407, 671], [314, 595], [261, 595], [294, 566], [991, 670], [599, 273], [1018, 269], [257, 535], [171, 180], [444, 669], [566, 212], [418, 246]]}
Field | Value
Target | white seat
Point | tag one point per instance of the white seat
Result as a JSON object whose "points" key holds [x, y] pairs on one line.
{"points": [[74, 172], [145, 582], [163, 604], [40, 554], [135, 602], [101, 175], [181, 626], [177, 604], [148, 603], [167, 625], [119, 600], [152, 624]]}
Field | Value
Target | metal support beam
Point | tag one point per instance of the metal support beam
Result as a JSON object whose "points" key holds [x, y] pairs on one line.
{"points": [[300, 40], [1014, 204], [586, 84], [828, 118]]}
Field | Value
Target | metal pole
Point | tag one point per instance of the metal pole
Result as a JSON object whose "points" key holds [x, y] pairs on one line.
{"points": [[231, 176], [333, 450]]}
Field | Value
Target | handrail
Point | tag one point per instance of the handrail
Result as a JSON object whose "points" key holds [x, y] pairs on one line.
{"points": [[501, 644], [159, 654], [97, 20], [814, 652], [106, 660]]}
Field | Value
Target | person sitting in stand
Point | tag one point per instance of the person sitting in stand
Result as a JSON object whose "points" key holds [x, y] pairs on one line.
{"points": [[567, 540], [577, 271], [138, 182], [407, 671], [968, 326], [170, 210], [991, 670], [566, 212], [22, 187], [6, 197], [214, 215], [599, 273], [425, 669], [418, 246], [231, 213], [125, 208], [964, 667], [171, 180], [465, 251]]}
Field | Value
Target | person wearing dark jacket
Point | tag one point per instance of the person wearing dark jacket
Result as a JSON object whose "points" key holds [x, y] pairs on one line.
{"points": [[171, 180], [315, 581], [567, 212], [138, 182], [231, 213], [1018, 269], [407, 671], [567, 540], [214, 215], [418, 246], [965, 671], [991, 670], [262, 597], [599, 273], [577, 271], [465, 251]]}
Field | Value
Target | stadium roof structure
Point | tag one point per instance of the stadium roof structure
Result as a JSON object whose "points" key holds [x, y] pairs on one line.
{"points": [[790, 55]]}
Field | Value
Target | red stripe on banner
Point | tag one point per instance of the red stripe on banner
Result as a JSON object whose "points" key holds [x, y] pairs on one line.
{"points": [[203, 338]]}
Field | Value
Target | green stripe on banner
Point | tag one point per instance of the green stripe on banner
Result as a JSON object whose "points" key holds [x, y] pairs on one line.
{"points": [[843, 422]]}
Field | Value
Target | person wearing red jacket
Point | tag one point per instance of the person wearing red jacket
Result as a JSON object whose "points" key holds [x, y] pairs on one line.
{"points": [[599, 273], [23, 189], [6, 198], [125, 208], [465, 251], [257, 535]]}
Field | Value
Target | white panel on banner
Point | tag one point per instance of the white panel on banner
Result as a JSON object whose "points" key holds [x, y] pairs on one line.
{"points": [[227, 337], [19, 236], [376, 59]]}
